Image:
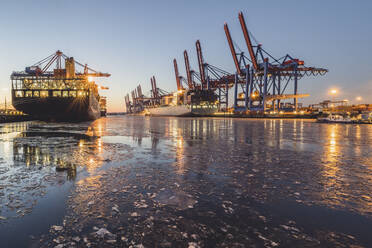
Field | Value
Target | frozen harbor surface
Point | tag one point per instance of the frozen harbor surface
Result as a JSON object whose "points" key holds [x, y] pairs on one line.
{"points": [[185, 182]]}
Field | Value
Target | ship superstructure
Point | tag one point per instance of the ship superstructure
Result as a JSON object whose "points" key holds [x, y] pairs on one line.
{"points": [[60, 94]]}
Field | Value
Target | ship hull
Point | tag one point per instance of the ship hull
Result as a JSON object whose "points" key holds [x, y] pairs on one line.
{"points": [[182, 110], [71, 109]]}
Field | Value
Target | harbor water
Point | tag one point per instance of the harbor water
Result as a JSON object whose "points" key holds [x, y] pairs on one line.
{"points": [[185, 182]]}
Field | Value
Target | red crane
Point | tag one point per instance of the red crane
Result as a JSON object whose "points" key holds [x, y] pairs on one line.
{"points": [[152, 88], [155, 87], [201, 63], [188, 70], [57, 57], [232, 49], [179, 87], [248, 41]]}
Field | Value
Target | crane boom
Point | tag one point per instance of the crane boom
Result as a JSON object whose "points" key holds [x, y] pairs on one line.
{"points": [[232, 49], [98, 74], [133, 96], [139, 90], [155, 87], [201, 62], [56, 57], [50, 62], [248, 40], [177, 74], [188, 71], [152, 88]]}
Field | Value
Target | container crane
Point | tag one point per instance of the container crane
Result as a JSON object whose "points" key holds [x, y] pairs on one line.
{"points": [[68, 72], [190, 81], [153, 91], [178, 78], [201, 64], [265, 80], [248, 41], [232, 49]]}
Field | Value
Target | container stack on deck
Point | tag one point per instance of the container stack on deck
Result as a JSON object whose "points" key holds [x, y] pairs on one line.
{"points": [[58, 93]]}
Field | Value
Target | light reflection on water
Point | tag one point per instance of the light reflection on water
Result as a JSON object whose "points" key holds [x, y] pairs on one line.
{"points": [[266, 160], [334, 150], [326, 164], [35, 156]]}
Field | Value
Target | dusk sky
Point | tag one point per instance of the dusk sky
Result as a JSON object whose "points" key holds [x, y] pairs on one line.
{"points": [[134, 40]]}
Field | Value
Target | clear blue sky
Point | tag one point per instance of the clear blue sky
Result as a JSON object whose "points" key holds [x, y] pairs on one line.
{"points": [[134, 40]]}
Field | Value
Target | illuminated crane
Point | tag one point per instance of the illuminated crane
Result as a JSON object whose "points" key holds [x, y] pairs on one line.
{"points": [[267, 78]]}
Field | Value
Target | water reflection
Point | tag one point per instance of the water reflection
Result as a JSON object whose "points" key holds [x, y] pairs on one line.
{"points": [[335, 161], [331, 168], [347, 162], [61, 150], [36, 155], [266, 159], [140, 171]]}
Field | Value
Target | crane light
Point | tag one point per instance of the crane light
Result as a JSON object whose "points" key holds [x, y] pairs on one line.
{"points": [[90, 79], [333, 91]]}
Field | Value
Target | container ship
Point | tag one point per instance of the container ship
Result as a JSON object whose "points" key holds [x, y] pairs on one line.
{"points": [[62, 94], [185, 103], [192, 99]]}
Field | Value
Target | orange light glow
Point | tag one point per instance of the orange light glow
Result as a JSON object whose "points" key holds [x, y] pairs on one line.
{"points": [[333, 92]]}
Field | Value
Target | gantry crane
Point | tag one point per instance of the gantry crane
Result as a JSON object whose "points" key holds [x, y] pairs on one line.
{"points": [[41, 68], [211, 80], [262, 77], [189, 72], [178, 77], [40, 75], [140, 101]]}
